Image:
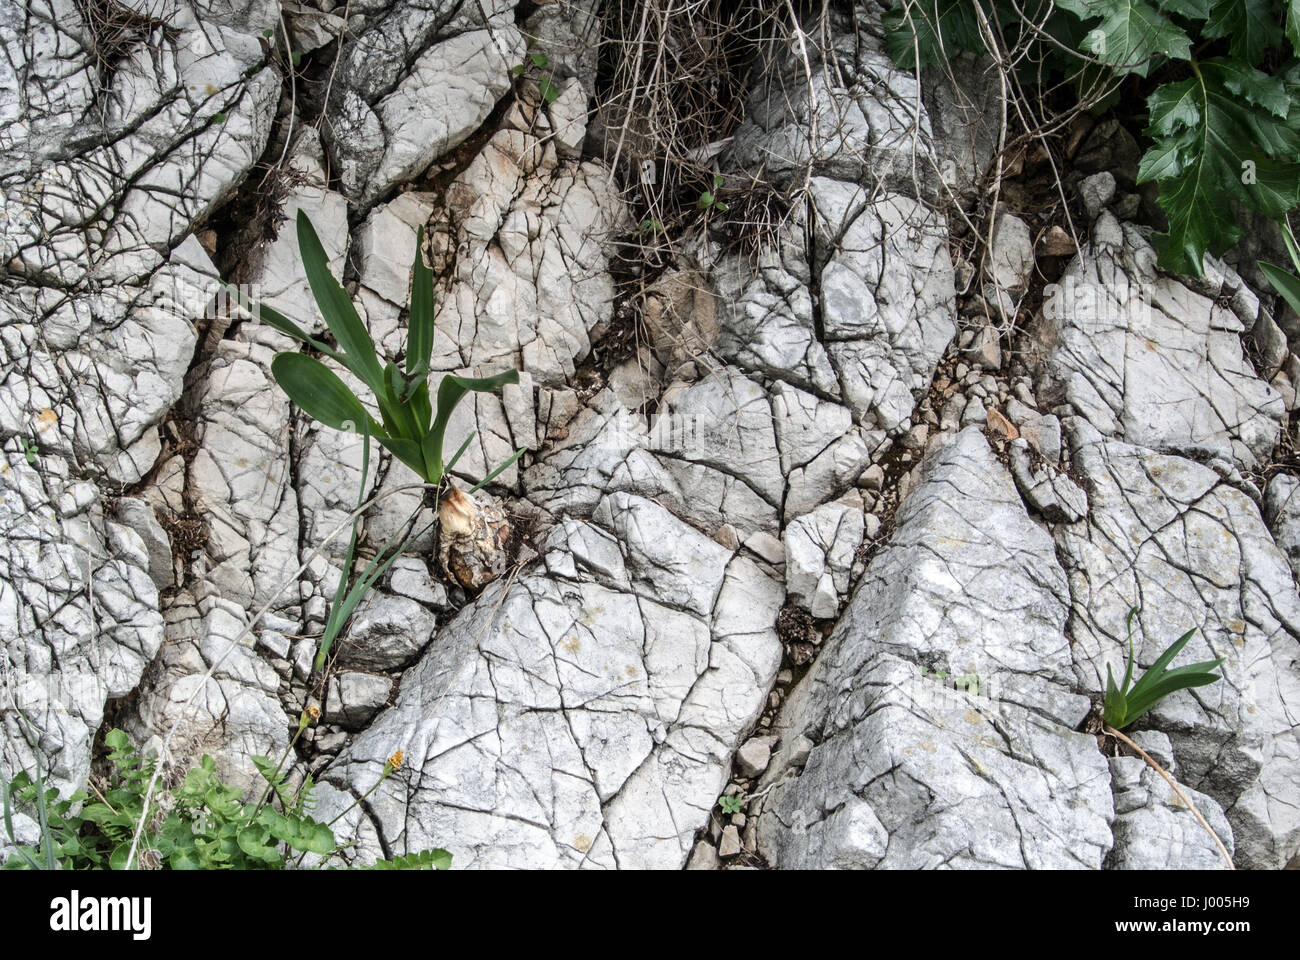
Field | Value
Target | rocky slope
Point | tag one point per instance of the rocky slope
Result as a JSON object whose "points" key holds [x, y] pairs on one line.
{"points": [[815, 437]]}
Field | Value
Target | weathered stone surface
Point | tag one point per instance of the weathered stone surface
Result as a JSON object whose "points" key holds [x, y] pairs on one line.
{"points": [[440, 73], [100, 290], [387, 633], [903, 764], [1153, 828], [585, 713], [1282, 511], [1148, 360], [1045, 488], [79, 617], [1169, 537], [139, 516], [354, 698], [1011, 257], [210, 683], [819, 553]]}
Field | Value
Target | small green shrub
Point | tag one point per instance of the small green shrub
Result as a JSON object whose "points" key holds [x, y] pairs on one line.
{"points": [[731, 805], [201, 825], [1124, 703], [545, 83], [709, 198]]}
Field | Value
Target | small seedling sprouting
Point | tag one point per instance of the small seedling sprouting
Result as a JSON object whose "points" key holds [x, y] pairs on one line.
{"points": [[731, 805], [709, 198], [1124, 703], [545, 84]]}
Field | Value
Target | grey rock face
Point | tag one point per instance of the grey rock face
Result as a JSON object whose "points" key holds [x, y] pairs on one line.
{"points": [[1050, 492], [79, 617], [590, 706], [819, 552], [354, 698], [1282, 511], [909, 772], [1154, 830], [1169, 536], [387, 633], [97, 312], [442, 69], [584, 714], [1148, 360]]}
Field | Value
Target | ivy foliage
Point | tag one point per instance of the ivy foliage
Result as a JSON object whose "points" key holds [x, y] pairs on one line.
{"points": [[1222, 85]]}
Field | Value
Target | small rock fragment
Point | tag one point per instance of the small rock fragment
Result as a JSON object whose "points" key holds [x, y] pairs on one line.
{"points": [[754, 756]]}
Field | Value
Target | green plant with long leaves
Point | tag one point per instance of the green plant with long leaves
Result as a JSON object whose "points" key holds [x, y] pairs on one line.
{"points": [[1127, 701], [410, 428]]}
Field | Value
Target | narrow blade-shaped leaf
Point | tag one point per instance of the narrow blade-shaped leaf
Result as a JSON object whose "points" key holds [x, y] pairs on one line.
{"points": [[498, 471], [1157, 669], [1285, 283], [450, 391], [337, 309], [1128, 664], [1288, 237], [263, 313], [421, 407], [318, 391], [419, 342], [1114, 707], [1137, 706]]}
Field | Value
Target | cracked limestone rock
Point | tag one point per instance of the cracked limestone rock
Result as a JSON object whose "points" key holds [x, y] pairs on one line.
{"points": [[1282, 511], [584, 714], [79, 617], [819, 554], [1049, 491], [220, 692], [101, 179], [1148, 360], [414, 82], [942, 712], [386, 633], [1154, 829], [354, 698], [1172, 538]]}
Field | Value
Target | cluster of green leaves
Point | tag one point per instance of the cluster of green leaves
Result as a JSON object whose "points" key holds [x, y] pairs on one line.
{"points": [[203, 824], [731, 805], [410, 430], [1126, 702], [1224, 119], [709, 198], [545, 83]]}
